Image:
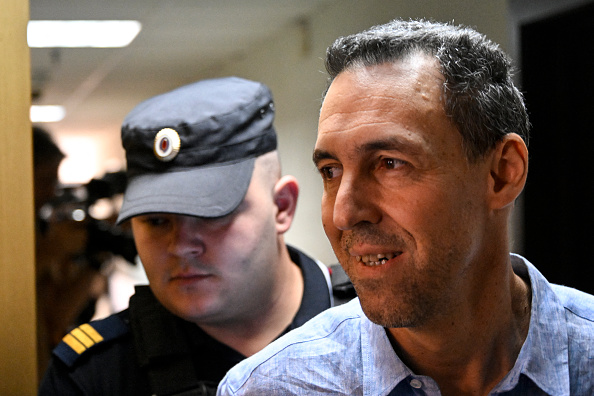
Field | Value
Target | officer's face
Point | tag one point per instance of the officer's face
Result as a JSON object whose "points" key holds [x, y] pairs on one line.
{"points": [[213, 271]]}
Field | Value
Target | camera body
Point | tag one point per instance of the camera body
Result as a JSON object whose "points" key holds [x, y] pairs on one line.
{"points": [[90, 209]]}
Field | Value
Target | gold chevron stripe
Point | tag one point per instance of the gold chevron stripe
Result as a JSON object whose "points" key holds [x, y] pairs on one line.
{"points": [[91, 332], [82, 338], [74, 344]]}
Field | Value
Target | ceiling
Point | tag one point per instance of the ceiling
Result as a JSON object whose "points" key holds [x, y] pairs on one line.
{"points": [[180, 41]]}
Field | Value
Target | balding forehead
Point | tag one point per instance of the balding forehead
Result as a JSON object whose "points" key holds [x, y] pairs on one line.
{"points": [[420, 68]]}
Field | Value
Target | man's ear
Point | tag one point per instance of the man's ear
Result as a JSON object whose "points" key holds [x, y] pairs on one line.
{"points": [[286, 192], [509, 168]]}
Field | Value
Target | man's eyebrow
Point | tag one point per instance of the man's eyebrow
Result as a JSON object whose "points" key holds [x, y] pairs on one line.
{"points": [[319, 155], [391, 143]]}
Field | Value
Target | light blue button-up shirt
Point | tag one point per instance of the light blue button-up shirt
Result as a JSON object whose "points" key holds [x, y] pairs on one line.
{"points": [[341, 352]]}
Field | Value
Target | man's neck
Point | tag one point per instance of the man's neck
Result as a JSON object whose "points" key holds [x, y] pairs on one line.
{"points": [[252, 333], [471, 350]]}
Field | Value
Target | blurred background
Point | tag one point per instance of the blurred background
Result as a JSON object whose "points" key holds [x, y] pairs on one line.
{"points": [[282, 43]]}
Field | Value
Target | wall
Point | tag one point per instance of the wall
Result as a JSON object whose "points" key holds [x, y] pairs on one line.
{"points": [[292, 65], [18, 368]]}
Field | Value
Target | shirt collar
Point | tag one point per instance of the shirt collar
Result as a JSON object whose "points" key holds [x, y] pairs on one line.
{"points": [[544, 355], [379, 359]]}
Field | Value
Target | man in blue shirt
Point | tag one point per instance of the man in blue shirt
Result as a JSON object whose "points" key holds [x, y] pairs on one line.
{"points": [[422, 148]]}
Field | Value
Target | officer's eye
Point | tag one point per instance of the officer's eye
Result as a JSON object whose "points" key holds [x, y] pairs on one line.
{"points": [[153, 220]]}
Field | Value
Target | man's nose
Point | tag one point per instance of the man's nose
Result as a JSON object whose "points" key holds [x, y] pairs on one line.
{"points": [[187, 237], [354, 203]]}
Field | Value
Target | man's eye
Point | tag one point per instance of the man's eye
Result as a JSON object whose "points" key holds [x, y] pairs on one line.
{"points": [[391, 163], [329, 172]]}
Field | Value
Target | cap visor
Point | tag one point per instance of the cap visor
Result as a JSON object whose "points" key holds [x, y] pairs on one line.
{"points": [[211, 191]]}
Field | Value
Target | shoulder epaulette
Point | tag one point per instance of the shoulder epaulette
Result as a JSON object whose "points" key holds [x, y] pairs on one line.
{"points": [[87, 336]]}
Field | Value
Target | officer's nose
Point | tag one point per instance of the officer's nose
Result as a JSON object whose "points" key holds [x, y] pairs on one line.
{"points": [[186, 237]]}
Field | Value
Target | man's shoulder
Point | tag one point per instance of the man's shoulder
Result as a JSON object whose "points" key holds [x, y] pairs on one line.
{"points": [[336, 323], [564, 307], [87, 339], [324, 346], [578, 305], [579, 314], [333, 322], [579, 318], [576, 302]]}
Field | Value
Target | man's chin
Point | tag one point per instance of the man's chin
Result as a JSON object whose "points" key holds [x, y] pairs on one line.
{"points": [[387, 313]]}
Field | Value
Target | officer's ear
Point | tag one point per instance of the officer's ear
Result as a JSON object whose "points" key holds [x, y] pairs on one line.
{"points": [[508, 171], [286, 192]]}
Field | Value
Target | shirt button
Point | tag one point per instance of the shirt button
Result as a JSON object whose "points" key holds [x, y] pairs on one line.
{"points": [[415, 383]]}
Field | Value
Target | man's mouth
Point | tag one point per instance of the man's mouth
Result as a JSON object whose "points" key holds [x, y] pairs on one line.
{"points": [[186, 275], [372, 260]]}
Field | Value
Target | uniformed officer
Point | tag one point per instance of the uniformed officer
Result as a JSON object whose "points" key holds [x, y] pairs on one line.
{"points": [[208, 207]]}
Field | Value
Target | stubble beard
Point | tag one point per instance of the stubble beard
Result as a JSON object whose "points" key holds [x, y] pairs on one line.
{"points": [[409, 303], [395, 307]]}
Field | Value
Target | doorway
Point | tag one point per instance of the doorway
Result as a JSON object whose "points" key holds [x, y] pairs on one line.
{"points": [[558, 81]]}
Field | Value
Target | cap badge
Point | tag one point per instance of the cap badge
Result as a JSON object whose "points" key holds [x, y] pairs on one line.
{"points": [[166, 144]]}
